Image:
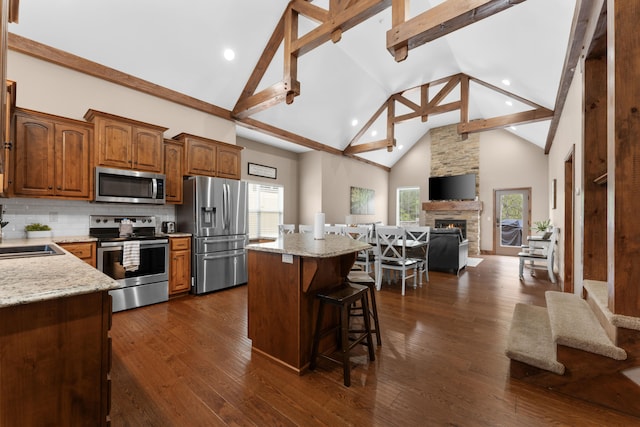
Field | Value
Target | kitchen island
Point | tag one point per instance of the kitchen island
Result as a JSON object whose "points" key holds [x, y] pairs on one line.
{"points": [[284, 277], [55, 316]]}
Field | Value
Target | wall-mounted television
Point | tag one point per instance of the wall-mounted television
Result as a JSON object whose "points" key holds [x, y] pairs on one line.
{"points": [[455, 187]]}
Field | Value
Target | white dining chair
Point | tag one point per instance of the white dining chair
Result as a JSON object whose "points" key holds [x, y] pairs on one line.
{"points": [[333, 229], [363, 258], [286, 229], [419, 233], [305, 228], [392, 255]]}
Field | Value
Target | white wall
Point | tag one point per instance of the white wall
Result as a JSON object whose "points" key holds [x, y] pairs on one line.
{"points": [[339, 174], [412, 170], [286, 164], [508, 161], [568, 136]]}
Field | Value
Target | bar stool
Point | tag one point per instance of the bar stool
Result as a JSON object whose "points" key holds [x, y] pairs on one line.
{"points": [[363, 278], [342, 298]]}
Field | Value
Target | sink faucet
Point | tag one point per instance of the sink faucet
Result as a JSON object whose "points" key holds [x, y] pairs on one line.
{"points": [[2, 223]]}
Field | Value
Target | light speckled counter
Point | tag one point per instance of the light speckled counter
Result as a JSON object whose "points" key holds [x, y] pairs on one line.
{"points": [[27, 280], [306, 246]]}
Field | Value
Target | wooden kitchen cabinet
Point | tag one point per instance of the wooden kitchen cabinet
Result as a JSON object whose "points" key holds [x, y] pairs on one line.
{"points": [[173, 166], [209, 157], [86, 251], [51, 156], [127, 144], [179, 265], [7, 136], [56, 362]]}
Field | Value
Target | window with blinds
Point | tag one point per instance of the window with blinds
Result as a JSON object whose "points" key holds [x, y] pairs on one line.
{"points": [[408, 206], [266, 205]]}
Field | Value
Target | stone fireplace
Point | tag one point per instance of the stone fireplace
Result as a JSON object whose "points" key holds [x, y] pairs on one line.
{"points": [[451, 154]]}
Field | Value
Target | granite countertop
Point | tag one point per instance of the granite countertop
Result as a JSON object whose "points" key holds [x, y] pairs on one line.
{"points": [[32, 279], [306, 245]]}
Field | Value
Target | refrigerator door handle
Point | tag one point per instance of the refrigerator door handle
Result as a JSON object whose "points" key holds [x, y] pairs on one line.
{"points": [[219, 240], [233, 254], [225, 206]]}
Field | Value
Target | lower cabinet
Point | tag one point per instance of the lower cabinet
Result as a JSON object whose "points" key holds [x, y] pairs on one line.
{"points": [[86, 251], [56, 362], [179, 265]]}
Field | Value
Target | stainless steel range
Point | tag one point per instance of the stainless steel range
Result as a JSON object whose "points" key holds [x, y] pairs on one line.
{"points": [[145, 273]]}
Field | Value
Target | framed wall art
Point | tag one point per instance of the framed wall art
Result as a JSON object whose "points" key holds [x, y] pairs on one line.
{"points": [[262, 170], [362, 201]]}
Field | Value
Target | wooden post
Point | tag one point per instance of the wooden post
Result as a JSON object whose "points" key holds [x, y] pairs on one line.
{"points": [[623, 155]]}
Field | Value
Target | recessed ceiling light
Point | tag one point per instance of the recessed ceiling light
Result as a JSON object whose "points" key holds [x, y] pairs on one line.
{"points": [[509, 103], [354, 122], [506, 82], [400, 147], [229, 54], [374, 132], [513, 128]]}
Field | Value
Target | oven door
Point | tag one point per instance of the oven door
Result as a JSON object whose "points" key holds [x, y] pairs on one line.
{"points": [[154, 262]]}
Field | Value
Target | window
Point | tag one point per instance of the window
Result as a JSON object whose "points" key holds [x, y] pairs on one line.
{"points": [[408, 206], [266, 205]]}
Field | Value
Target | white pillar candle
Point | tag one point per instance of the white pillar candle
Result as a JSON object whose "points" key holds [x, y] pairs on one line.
{"points": [[318, 226]]}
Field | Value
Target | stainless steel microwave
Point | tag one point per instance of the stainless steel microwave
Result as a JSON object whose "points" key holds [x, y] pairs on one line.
{"points": [[128, 186]]}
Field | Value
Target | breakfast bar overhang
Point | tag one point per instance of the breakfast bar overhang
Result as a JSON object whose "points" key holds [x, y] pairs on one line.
{"points": [[284, 277]]}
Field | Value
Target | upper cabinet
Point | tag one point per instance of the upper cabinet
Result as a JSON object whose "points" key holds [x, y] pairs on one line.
{"points": [[173, 167], [127, 144], [211, 158], [51, 156], [7, 136]]}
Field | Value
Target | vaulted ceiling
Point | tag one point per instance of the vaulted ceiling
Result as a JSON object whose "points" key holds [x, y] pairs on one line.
{"points": [[179, 45]]}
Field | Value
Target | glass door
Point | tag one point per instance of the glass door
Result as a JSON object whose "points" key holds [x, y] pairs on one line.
{"points": [[512, 213]]}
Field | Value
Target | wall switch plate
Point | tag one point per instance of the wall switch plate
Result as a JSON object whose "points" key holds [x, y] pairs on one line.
{"points": [[287, 258]]}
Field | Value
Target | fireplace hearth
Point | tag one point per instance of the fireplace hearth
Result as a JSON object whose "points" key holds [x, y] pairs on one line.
{"points": [[453, 223]]}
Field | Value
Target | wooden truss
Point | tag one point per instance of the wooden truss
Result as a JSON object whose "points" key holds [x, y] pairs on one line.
{"points": [[445, 18], [341, 16], [428, 107]]}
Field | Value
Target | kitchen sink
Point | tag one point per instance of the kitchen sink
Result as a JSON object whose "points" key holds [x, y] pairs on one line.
{"points": [[29, 251]]}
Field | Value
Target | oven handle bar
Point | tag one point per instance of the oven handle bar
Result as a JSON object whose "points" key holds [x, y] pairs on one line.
{"points": [[142, 243]]}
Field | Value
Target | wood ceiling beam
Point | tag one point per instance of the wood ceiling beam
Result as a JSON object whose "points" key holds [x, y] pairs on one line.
{"points": [[342, 19], [368, 146], [587, 15], [64, 59], [14, 8], [523, 117], [429, 111], [438, 21], [265, 99], [286, 135], [410, 104], [446, 90], [265, 59]]}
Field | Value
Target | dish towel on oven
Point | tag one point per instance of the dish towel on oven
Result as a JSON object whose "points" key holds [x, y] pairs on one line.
{"points": [[131, 255]]}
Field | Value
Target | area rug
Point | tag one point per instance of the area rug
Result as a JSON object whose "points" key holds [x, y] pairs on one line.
{"points": [[473, 262]]}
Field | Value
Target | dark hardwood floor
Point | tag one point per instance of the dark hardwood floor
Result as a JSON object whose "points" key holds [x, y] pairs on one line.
{"points": [[188, 362]]}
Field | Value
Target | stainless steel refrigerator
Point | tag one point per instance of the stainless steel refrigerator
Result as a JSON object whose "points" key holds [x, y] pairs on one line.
{"points": [[214, 211]]}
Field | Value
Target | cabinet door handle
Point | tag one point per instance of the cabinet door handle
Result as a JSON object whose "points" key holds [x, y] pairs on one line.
{"points": [[49, 187], [59, 188]]}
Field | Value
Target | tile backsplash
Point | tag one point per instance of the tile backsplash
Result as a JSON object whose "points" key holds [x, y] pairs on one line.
{"points": [[69, 217]]}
